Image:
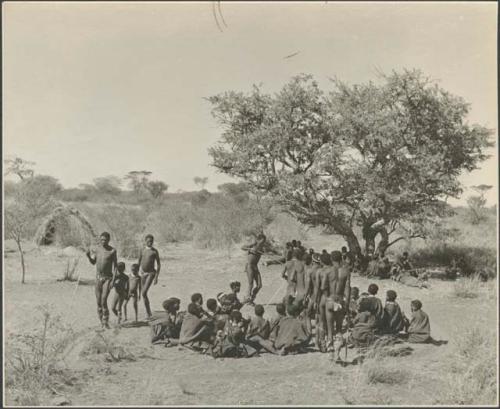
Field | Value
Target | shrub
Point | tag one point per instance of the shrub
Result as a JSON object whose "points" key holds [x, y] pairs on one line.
{"points": [[467, 287], [473, 377], [126, 225], [171, 222], [69, 273], [33, 360], [470, 260]]}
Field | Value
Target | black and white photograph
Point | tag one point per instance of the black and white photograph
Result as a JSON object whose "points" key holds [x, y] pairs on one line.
{"points": [[250, 204]]}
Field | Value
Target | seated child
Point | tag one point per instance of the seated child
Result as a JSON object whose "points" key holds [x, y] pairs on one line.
{"points": [[274, 324], [258, 325], [394, 317], [196, 327], [166, 330], [134, 290], [419, 330], [121, 285], [353, 304], [230, 302], [292, 335], [215, 312]]}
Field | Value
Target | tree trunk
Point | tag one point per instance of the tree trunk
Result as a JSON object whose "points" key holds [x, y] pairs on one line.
{"points": [[353, 244], [384, 242], [23, 267]]}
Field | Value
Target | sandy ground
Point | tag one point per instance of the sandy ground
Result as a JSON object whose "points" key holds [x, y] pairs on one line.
{"points": [[177, 376]]}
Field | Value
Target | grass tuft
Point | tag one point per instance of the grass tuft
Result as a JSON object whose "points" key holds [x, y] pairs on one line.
{"points": [[467, 288]]}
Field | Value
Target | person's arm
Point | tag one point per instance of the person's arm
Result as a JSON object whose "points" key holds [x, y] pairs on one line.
{"points": [[114, 264], [140, 259], [91, 259], [283, 274], [157, 257], [307, 283], [139, 286], [348, 293]]}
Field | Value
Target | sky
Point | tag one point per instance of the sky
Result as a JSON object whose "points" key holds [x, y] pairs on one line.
{"points": [[96, 89]]}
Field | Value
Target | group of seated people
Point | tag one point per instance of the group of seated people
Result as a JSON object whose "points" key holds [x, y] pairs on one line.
{"points": [[220, 330]]}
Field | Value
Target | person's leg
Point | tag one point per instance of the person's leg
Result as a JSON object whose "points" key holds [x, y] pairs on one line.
{"points": [[106, 289], [98, 294], [258, 342], [250, 278], [120, 307], [330, 322], [114, 303], [135, 308], [258, 282], [125, 302], [321, 326], [147, 283]]}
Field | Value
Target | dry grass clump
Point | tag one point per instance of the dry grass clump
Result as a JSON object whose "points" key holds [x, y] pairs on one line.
{"points": [[473, 377], [69, 273], [33, 366], [467, 287]]}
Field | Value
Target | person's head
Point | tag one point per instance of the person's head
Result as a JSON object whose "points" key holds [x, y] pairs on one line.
{"points": [[212, 305], [316, 258], [324, 251], [364, 305], [391, 295], [311, 251], [235, 286], [364, 294], [280, 309], [194, 309], [405, 254], [171, 304], [135, 269], [288, 245], [307, 258], [196, 298], [259, 310], [149, 240], [120, 267], [289, 255], [299, 243], [105, 238], [261, 237], [373, 289], [416, 305], [344, 249], [293, 310], [325, 259], [294, 243], [336, 256], [236, 316], [354, 293]]}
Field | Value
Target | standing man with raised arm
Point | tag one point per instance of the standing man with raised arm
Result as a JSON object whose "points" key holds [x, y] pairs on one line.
{"points": [[149, 275], [105, 260], [255, 251]]}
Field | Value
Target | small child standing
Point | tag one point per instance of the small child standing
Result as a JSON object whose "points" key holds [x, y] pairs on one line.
{"points": [[134, 290], [121, 286]]}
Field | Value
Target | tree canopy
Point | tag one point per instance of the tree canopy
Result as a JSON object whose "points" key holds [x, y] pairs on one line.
{"points": [[382, 157]]}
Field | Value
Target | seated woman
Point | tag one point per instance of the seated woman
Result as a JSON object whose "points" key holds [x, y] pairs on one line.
{"points": [[292, 335], [230, 342], [197, 328], [166, 330], [395, 320], [419, 331], [363, 332]]}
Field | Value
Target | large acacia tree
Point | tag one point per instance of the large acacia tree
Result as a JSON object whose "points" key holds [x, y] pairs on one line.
{"points": [[376, 158]]}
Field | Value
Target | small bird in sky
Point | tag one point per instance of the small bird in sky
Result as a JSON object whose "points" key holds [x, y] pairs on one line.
{"points": [[291, 55]]}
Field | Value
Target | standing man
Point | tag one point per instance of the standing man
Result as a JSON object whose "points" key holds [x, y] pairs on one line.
{"points": [[255, 251], [149, 275], [105, 260]]}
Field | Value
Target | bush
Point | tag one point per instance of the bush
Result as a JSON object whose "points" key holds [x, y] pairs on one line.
{"points": [[33, 361], [468, 287], [171, 222], [473, 377], [470, 260], [126, 225]]}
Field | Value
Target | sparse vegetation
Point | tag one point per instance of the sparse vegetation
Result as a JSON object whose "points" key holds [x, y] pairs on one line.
{"points": [[69, 273], [34, 366]]}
